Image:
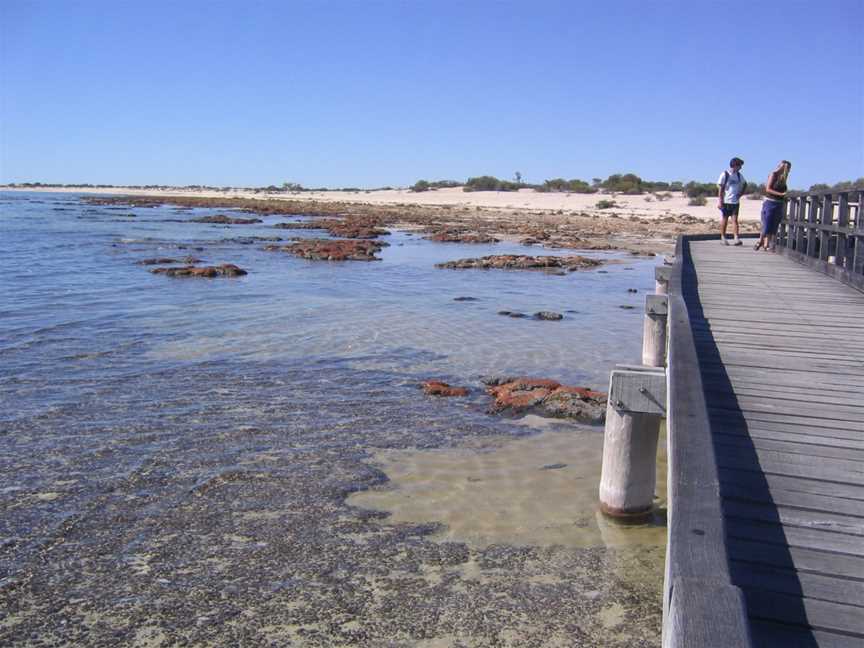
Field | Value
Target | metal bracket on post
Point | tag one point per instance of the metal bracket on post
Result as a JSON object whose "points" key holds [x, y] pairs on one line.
{"points": [[638, 389], [662, 275], [656, 305]]}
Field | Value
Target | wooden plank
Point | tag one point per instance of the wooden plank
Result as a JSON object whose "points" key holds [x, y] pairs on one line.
{"points": [[804, 447], [791, 536], [788, 516], [820, 615], [838, 469], [802, 559], [778, 634], [771, 430], [787, 581], [792, 499], [839, 424], [788, 407], [789, 467], [756, 480]]}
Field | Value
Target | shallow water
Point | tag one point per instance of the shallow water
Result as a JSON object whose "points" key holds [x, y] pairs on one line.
{"points": [[177, 455]]}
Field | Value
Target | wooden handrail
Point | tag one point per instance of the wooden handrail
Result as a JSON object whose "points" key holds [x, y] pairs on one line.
{"points": [[701, 606], [825, 230]]}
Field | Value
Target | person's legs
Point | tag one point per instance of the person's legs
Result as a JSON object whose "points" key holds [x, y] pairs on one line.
{"points": [[766, 226], [724, 220], [735, 226]]}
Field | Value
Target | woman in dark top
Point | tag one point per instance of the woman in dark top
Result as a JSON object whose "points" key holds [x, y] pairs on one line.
{"points": [[772, 207]]}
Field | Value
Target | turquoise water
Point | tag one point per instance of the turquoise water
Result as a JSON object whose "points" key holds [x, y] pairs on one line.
{"points": [[123, 394]]}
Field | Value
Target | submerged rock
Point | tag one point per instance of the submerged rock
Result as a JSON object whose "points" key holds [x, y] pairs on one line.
{"points": [[514, 314], [163, 260], [224, 270], [546, 398], [548, 315], [523, 262], [438, 388], [222, 219], [332, 250], [465, 299]]}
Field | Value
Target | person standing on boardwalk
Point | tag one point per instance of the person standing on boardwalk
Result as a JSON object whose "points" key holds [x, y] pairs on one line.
{"points": [[772, 207], [731, 186]]}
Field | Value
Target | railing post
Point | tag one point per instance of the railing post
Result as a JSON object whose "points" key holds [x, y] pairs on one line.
{"points": [[812, 238], [843, 239], [800, 215], [827, 217], [857, 251]]}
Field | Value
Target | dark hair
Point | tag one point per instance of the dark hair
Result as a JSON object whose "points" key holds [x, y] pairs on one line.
{"points": [[787, 162], [736, 160]]}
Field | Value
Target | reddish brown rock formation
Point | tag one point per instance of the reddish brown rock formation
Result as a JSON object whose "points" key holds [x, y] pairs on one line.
{"points": [[438, 388], [547, 398], [222, 219], [224, 270], [456, 235], [332, 250], [359, 227], [523, 262]]}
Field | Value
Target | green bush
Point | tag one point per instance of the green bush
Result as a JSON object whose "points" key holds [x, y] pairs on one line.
{"points": [[562, 185], [698, 201], [696, 189], [420, 185], [490, 183], [606, 204]]}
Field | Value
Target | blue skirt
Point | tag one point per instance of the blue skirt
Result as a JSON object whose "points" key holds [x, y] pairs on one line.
{"points": [[772, 214]]}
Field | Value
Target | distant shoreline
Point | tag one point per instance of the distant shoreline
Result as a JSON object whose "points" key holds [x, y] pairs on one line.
{"points": [[509, 203]]}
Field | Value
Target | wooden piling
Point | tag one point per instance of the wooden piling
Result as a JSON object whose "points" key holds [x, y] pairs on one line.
{"points": [[661, 279], [637, 400], [654, 331]]}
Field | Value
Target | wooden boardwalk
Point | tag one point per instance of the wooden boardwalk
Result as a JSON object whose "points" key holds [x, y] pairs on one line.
{"points": [[780, 351]]}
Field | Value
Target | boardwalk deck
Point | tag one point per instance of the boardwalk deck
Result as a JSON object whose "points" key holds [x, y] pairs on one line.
{"points": [[781, 360]]}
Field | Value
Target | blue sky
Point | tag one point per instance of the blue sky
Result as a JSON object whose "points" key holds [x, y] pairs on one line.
{"points": [[372, 93]]}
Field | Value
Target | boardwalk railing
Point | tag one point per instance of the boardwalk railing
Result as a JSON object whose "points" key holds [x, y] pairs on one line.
{"points": [[825, 230], [701, 606]]}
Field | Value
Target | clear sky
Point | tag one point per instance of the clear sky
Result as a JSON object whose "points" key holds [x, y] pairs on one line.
{"points": [[370, 93]]}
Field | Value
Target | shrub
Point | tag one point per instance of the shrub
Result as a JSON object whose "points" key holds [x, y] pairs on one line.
{"points": [[560, 184], [698, 201], [489, 183], [696, 189], [420, 185], [606, 204]]}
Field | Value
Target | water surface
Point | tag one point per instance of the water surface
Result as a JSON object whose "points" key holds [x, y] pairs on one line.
{"points": [[178, 456]]}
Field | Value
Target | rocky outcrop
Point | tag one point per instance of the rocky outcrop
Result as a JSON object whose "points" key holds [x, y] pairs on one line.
{"points": [[224, 270], [546, 398], [438, 388], [332, 250], [456, 235], [359, 227], [222, 219], [523, 262]]}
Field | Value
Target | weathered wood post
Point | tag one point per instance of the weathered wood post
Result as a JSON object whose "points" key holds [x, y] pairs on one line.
{"points": [[661, 279], [654, 331], [637, 401]]}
